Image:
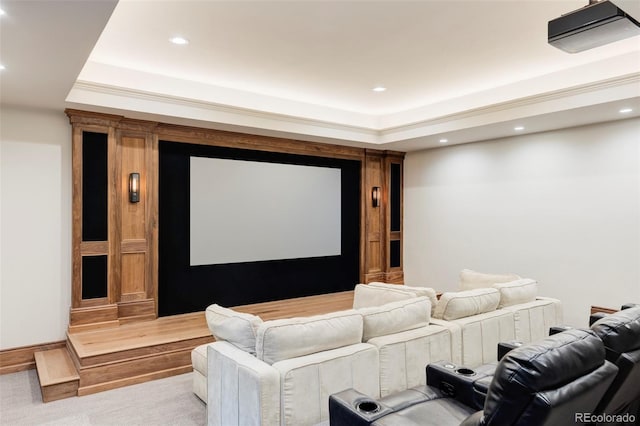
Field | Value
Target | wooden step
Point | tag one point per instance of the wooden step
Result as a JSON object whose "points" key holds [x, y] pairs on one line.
{"points": [[57, 374]]}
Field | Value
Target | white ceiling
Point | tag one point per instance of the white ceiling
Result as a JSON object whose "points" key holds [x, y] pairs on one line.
{"points": [[464, 70]]}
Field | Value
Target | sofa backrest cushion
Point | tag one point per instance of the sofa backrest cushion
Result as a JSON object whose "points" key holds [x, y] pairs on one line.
{"points": [[516, 292], [237, 328], [366, 295], [470, 280], [463, 304], [417, 291], [395, 317], [282, 339]]}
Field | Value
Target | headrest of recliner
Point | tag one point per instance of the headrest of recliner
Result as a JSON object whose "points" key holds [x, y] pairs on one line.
{"points": [[619, 331], [554, 361], [545, 365]]}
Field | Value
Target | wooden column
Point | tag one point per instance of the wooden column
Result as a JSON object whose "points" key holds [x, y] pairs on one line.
{"points": [[383, 235], [131, 237], [135, 222], [394, 214], [375, 217]]}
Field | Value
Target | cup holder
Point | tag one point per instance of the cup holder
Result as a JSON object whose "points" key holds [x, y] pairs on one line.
{"points": [[465, 371], [368, 407]]}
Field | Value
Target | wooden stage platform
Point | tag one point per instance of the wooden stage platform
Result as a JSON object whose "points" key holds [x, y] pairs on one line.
{"points": [[108, 358]]}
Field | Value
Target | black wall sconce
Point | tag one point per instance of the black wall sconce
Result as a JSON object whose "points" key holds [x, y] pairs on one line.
{"points": [[375, 196], [134, 187]]}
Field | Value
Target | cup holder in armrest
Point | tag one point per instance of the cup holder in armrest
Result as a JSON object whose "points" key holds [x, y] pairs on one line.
{"points": [[368, 406], [466, 371]]}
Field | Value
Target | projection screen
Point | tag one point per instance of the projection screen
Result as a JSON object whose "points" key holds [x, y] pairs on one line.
{"points": [[248, 211]]}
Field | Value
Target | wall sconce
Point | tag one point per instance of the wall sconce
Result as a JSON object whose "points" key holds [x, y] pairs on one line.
{"points": [[375, 196], [134, 187]]}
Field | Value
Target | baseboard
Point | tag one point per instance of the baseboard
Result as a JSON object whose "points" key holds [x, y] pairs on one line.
{"points": [[22, 358]]}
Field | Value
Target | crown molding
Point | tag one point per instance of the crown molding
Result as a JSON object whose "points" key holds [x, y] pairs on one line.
{"points": [[89, 93]]}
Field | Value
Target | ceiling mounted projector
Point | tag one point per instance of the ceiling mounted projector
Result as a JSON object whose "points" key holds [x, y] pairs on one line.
{"points": [[599, 23]]}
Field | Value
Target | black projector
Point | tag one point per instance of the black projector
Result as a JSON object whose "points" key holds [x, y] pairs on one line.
{"points": [[594, 25]]}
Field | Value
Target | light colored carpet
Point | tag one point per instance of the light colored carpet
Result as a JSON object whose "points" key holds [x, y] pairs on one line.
{"points": [[159, 402]]}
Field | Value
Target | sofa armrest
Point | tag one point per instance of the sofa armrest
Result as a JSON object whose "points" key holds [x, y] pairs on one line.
{"points": [[353, 408], [233, 372], [455, 331]]}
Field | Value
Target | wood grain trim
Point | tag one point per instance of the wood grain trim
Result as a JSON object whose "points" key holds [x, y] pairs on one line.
{"points": [[133, 246], [76, 221], [131, 297], [88, 118], [152, 206], [142, 378], [200, 136], [115, 221], [60, 391], [92, 303], [376, 276], [94, 248], [102, 313], [394, 277], [188, 134], [394, 274], [22, 358], [596, 309]]}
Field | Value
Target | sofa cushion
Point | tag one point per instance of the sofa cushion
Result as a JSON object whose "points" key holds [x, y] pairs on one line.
{"points": [[366, 295], [236, 328], [395, 317], [282, 339], [470, 280], [516, 292], [417, 291], [463, 304]]}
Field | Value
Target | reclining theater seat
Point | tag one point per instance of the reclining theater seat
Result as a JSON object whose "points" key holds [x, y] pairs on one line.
{"points": [[298, 363], [620, 333], [543, 383]]}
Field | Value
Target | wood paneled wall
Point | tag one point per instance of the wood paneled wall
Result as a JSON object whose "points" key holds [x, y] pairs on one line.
{"points": [[132, 245]]}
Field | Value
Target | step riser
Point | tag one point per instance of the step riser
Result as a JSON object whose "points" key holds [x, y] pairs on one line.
{"points": [[59, 391], [126, 369]]}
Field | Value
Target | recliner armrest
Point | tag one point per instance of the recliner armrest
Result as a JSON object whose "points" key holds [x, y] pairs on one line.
{"points": [[473, 420], [457, 381], [595, 317], [559, 329], [353, 408]]}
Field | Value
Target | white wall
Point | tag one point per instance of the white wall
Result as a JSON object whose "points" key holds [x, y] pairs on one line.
{"points": [[35, 226], [562, 207]]}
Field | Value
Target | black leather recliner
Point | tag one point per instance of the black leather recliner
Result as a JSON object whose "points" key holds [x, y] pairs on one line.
{"points": [[544, 383], [620, 333]]}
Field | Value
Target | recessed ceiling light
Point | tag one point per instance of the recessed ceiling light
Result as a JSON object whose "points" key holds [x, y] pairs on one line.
{"points": [[179, 40], [518, 128], [1, 12], [379, 89], [625, 110], [444, 140], [2, 67]]}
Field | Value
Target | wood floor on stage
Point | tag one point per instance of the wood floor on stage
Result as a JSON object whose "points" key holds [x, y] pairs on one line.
{"points": [[136, 352]]}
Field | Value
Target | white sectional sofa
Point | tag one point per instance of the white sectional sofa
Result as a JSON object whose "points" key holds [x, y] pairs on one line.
{"points": [[282, 372]]}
